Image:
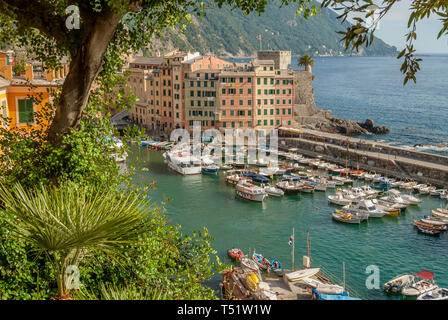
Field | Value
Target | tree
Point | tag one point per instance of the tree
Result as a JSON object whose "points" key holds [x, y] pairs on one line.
{"points": [[108, 31], [367, 14], [69, 221], [307, 61]]}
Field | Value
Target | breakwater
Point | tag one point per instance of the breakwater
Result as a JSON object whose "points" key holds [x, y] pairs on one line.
{"points": [[368, 155]]}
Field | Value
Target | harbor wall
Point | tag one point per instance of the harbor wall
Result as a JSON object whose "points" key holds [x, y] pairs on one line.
{"points": [[380, 162]]}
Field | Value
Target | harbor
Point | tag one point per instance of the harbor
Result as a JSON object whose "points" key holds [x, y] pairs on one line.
{"points": [[391, 243]]}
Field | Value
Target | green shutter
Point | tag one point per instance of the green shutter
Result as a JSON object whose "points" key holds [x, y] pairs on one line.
{"points": [[26, 111]]}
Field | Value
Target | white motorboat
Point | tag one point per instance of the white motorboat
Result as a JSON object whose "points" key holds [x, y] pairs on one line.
{"points": [[183, 162], [411, 199], [393, 195], [398, 283], [339, 199], [250, 191], [422, 283], [366, 207], [301, 274], [391, 208], [273, 191], [370, 193], [435, 294]]}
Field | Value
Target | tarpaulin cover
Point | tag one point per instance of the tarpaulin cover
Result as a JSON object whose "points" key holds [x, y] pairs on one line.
{"points": [[425, 274]]}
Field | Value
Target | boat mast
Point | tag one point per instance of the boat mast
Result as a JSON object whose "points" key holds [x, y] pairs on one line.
{"points": [[308, 243], [293, 245]]}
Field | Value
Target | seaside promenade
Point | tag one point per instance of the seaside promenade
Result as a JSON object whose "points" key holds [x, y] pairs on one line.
{"points": [[369, 155]]}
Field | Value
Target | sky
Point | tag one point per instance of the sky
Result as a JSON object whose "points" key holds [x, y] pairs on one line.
{"points": [[393, 27]]}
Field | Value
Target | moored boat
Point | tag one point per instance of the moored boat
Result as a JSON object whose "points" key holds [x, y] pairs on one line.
{"points": [[346, 217], [418, 287], [398, 283], [301, 274], [235, 253], [435, 294], [250, 191]]}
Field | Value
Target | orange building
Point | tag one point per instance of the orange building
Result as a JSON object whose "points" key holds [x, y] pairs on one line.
{"points": [[25, 94]]}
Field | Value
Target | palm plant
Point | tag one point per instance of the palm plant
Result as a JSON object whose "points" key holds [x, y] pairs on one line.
{"points": [[69, 221], [307, 61]]}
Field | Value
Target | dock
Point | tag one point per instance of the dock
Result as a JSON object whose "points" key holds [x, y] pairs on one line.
{"points": [[368, 155]]}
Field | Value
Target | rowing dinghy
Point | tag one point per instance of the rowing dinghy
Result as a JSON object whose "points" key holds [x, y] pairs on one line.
{"points": [[325, 288], [301, 274]]}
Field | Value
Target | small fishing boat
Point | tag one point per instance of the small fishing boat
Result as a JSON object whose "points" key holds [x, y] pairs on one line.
{"points": [[235, 178], [430, 231], [434, 222], [419, 287], [398, 283], [301, 274], [250, 264], [288, 187], [276, 266], [346, 217], [387, 206], [325, 288], [261, 261], [305, 188], [435, 294], [420, 223], [209, 169], [273, 191], [250, 191], [235, 253]]}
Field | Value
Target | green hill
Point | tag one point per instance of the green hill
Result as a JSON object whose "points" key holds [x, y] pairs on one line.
{"points": [[230, 33]]}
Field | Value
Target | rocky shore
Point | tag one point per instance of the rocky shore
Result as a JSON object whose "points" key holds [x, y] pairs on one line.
{"points": [[348, 127]]}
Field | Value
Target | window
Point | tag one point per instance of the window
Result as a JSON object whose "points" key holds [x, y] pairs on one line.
{"points": [[272, 112], [233, 124], [259, 91], [249, 102], [223, 91], [241, 80], [241, 102], [26, 111], [258, 80], [231, 102], [241, 124], [272, 122], [199, 83], [249, 124], [249, 80], [265, 112], [223, 102], [289, 111], [259, 122], [192, 84], [265, 80], [231, 112], [249, 91], [224, 124], [241, 91], [283, 111], [265, 122], [223, 112], [277, 111], [259, 112]]}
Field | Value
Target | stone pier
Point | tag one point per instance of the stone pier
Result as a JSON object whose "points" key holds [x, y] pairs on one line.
{"points": [[368, 155]]}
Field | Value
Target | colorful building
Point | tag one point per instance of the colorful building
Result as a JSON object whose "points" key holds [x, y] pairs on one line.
{"points": [[179, 88], [25, 94]]}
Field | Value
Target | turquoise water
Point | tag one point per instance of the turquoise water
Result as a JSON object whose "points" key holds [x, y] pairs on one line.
{"points": [[391, 243], [371, 87]]}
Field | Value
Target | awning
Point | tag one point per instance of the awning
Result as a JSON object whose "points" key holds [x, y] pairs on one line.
{"points": [[425, 274]]}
